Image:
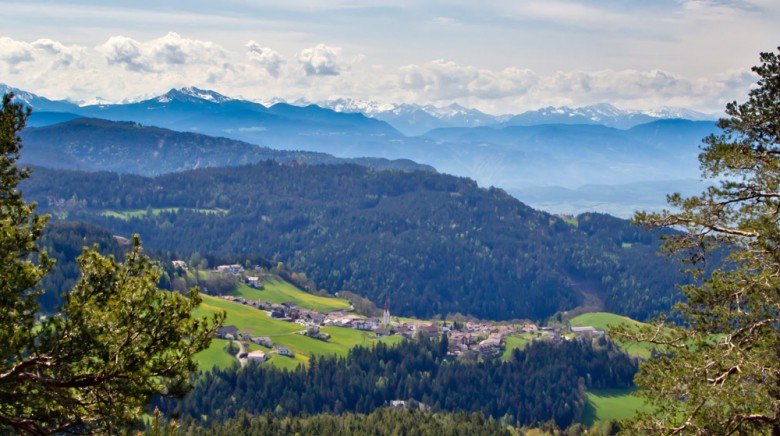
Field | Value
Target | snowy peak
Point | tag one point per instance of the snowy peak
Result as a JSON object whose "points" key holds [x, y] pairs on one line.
{"points": [[191, 94], [37, 102], [602, 113], [681, 113]]}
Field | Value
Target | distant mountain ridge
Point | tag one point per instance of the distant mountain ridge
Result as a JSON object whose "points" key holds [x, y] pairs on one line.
{"points": [[547, 148], [415, 120], [410, 119], [90, 144]]}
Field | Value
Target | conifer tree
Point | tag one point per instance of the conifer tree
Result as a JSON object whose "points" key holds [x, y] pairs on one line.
{"points": [[720, 373], [116, 341]]}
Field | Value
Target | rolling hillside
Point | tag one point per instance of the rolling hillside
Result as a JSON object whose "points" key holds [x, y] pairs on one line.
{"points": [[434, 244]]}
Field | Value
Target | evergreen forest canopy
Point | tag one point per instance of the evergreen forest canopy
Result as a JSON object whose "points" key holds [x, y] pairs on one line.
{"points": [[113, 342], [437, 244], [544, 382]]}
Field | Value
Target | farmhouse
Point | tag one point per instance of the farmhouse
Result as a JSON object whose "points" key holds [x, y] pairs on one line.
{"points": [[256, 356], [232, 269], [586, 330], [179, 264]]}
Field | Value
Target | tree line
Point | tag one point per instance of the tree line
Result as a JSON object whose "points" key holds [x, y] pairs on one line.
{"points": [[546, 381]]}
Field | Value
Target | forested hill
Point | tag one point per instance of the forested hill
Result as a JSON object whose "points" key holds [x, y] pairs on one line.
{"points": [[434, 243], [99, 145]]}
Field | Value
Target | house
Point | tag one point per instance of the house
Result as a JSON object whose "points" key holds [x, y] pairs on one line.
{"points": [[372, 323], [256, 356], [586, 330], [263, 340], [284, 351], [529, 328], [361, 325], [381, 333], [429, 330], [180, 264], [232, 269], [253, 281]]}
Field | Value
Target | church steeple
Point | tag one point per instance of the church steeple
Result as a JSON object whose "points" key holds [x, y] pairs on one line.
{"points": [[386, 319]]}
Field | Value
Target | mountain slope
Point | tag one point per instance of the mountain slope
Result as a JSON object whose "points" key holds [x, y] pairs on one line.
{"points": [[435, 244], [124, 147]]}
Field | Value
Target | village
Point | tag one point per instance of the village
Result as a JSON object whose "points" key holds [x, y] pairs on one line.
{"points": [[469, 339]]}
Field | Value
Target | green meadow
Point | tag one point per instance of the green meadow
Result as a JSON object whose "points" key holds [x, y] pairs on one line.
{"points": [[277, 291], [512, 342], [137, 213], [215, 356], [258, 323], [601, 320], [606, 404]]}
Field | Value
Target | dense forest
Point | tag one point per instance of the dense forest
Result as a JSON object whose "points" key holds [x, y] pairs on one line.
{"points": [[435, 243], [385, 421], [64, 241], [546, 381]]}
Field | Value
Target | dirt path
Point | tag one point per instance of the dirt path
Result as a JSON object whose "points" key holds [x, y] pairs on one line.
{"points": [[241, 360]]}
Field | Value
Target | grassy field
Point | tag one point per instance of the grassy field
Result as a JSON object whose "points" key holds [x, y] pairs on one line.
{"points": [[277, 292], [215, 356], [606, 404], [257, 323], [136, 213], [246, 318], [601, 320], [512, 342]]}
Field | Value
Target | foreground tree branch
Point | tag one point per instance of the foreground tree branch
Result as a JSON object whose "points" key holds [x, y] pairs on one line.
{"points": [[116, 342], [720, 374]]}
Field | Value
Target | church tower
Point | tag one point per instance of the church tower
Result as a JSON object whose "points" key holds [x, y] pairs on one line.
{"points": [[386, 319]]}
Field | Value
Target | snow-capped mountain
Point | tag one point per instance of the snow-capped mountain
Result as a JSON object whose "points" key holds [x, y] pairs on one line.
{"points": [[37, 102], [667, 112], [603, 113], [413, 119], [192, 95]]}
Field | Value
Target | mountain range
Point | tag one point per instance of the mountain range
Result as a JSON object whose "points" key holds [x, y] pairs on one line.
{"points": [[91, 144], [413, 120], [548, 151]]}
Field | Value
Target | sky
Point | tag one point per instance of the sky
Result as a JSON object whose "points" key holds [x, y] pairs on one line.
{"points": [[494, 55]]}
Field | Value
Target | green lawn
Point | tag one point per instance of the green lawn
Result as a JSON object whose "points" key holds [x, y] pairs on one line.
{"points": [[215, 356], [512, 342], [606, 404], [276, 291], [136, 213], [601, 320], [340, 342], [245, 318], [255, 321]]}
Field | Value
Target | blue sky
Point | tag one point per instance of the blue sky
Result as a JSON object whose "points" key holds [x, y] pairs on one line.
{"points": [[498, 56]]}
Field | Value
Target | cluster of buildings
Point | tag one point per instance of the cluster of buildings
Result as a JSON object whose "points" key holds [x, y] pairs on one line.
{"points": [[469, 339]]}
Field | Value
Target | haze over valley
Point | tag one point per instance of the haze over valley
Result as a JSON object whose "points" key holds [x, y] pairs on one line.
{"points": [[382, 217]]}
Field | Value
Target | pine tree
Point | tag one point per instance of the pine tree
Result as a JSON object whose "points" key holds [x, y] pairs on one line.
{"points": [[720, 373], [116, 341]]}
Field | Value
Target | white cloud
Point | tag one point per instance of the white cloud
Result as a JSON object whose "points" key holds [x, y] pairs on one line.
{"points": [[160, 54], [268, 58], [123, 68], [124, 51], [320, 60], [15, 52]]}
